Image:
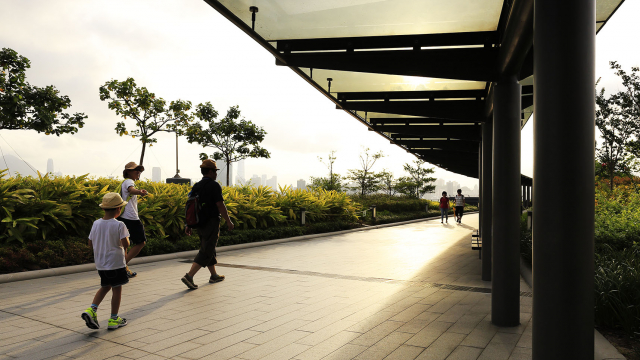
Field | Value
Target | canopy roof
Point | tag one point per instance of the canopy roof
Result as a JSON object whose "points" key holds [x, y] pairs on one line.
{"points": [[418, 72]]}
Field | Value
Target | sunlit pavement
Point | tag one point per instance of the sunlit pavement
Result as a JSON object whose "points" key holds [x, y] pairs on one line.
{"points": [[404, 292]]}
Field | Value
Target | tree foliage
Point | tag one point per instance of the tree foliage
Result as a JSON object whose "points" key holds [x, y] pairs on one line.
{"points": [[234, 138], [388, 182], [617, 118], [27, 107], [151, 114], [366, 181], [333, 181], [418, 182]]}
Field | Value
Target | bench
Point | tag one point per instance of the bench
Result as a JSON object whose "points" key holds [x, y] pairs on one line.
{"points": [[476, 243]]}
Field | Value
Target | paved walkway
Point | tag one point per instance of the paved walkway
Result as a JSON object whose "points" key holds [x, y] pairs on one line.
{"points": [[405, 292]]}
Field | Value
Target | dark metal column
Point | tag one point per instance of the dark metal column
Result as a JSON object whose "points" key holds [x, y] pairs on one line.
{"points": [[563, 133], [505, 271], [480, 187], [529, 196], [487, 172]]}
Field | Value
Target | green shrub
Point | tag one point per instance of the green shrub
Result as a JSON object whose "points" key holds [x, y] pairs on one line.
{"points": [[395, 204], [617, 288]]}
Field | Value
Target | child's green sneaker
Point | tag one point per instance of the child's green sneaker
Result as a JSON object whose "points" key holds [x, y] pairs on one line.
{"points": [[117, 323], [90, 317]]}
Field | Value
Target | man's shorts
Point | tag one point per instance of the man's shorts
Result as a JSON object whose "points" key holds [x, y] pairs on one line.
{"points": [[459, 210], [113, 278], [136, 231]]}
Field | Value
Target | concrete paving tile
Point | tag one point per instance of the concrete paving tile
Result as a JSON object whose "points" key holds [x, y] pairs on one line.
{"points": [[371, 322], [405, 352], [277, 332], [346, 352], [229, 352], [481, 335], [230, 330], [496, 351], [519, 353], [287, 352], [268, 347], [176, 350], [377, 333], [384, 347], [134, 354], [425, 337], [442, 347], [219, 344], [326, 332], [410, 313], [465, 353], [172, 341], [328, 346], [466, 323]]}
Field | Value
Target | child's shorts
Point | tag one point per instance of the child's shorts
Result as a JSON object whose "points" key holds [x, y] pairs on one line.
{"points": [[136, 231], [113, 278]]}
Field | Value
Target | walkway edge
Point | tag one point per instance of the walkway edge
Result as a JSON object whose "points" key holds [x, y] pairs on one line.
{"points": [[603, 350], [74, 269]]}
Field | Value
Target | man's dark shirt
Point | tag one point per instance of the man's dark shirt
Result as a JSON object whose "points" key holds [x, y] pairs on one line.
{"points": [[210, 193]]}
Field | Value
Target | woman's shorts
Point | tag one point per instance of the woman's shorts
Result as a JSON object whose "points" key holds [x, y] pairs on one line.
{"points": [[136, 231], [113, 278]]}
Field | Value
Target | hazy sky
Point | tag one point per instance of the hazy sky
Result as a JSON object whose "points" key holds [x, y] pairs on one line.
{"points": [[183, 49]]}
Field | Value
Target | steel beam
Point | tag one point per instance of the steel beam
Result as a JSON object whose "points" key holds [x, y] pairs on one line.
{"points": [[462, 132], [411, 95], [564, 134], [487, 198], [468, 110], [420, 120], [388, 42], [474, 64]]}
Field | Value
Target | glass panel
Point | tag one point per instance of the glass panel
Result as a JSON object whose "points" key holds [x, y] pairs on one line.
{"points": [[345, 81], [298, 19], [604, 8]]}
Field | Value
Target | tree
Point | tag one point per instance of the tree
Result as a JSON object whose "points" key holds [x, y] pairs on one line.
{"points": [[418, 182], [388, 182], [235, 139], [367, 182], [27, 107], [151, 114], [334, 181], [617, 119]]}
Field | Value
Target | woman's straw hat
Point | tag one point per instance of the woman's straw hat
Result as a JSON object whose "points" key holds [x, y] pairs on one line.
{"points": [[112, 201], [133, 166]]}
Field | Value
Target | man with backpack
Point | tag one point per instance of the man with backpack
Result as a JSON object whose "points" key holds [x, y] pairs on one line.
{"points": [[206, 204]]}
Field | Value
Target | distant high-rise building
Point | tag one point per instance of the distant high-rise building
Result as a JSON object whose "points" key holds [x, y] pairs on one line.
{"points": [[50, 166], [256, 180], [273, 183], [264, 179], [440, 182], [222, 174], [156, 174], [301, 184], [241, 170]]}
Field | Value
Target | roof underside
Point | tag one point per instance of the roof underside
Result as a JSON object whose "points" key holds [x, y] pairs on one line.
{"points": [[418, 72]]}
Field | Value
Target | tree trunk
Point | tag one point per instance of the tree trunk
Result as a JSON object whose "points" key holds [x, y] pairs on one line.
{"points": [[144, 146], [228, 172], [611, 178]]}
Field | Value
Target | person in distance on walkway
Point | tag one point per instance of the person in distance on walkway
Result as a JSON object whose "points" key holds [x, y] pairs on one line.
{"points": [[459, 206], [212, 202], [109, 237], [444, 207], [129, 215]]}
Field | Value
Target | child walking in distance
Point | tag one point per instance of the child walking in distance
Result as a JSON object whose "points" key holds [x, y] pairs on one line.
{"points": [[210, 194], [459, 206], [444, 207], [109, 238], [129, 215]]}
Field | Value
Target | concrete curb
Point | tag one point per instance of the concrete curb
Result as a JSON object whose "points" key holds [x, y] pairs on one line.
{"points": [[603, 350], [74, 269]]}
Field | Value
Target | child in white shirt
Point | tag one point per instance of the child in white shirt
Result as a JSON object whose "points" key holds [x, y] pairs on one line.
{"points": [[109, 237]]}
